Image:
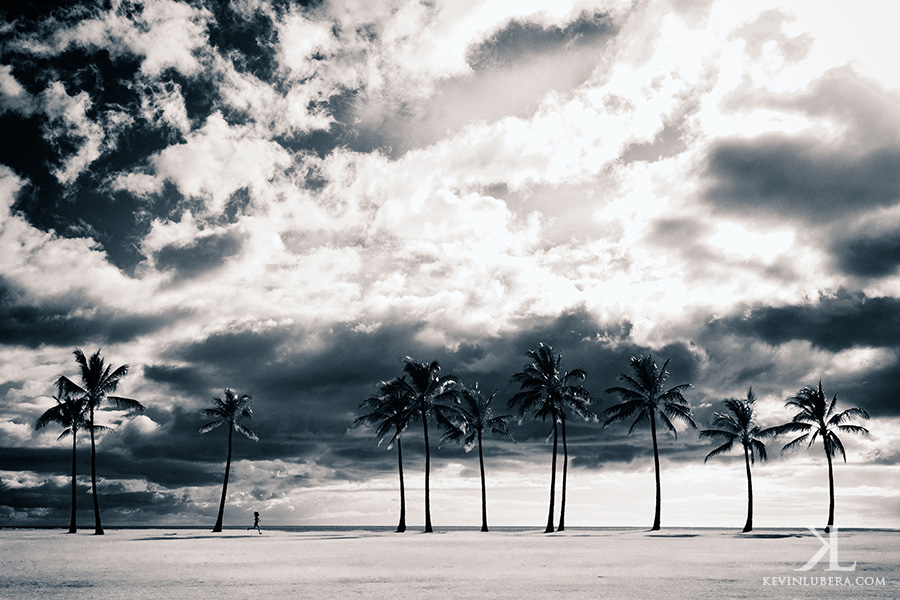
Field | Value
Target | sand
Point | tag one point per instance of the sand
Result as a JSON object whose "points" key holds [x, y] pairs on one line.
{"points": [[594, 563]]}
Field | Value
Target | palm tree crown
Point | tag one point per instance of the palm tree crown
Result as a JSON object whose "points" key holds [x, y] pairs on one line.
{"points": [[739, 425], [477, 417], [816, 418], [69, 412], [230, 411], [644, 398]]}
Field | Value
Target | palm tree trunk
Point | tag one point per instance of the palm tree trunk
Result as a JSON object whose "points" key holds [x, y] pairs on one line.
{"points": [[484, 525], [748, 526], [428, 528], [401, 527], [562, 500], [98, 528], [549, 528], [218, 526], [656, 465], [830, 492], [73, 528]]}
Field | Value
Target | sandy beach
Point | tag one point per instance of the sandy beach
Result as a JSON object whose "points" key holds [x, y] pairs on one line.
{"points": [[590, 563]]}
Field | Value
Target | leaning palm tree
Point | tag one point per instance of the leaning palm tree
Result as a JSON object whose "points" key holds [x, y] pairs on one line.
{"points": [[98, 381], [71, 414], [429, 396], [644, 397], [478, 416], [389, 414], [231, 412], [738, 424], [543, 391], [816, 418]]}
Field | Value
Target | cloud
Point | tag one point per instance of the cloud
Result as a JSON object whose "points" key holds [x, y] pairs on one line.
{"points": [[201, 256], [834, 323], [868, 249], [14, 97], [163, 34], [796, 177], [219, 160]]}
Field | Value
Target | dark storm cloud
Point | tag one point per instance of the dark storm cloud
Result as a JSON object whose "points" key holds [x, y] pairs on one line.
{"points": [[305, 400], [55, 461], [868, 255], [69, 324], [785, 176], [835, 323], [519, 40], [874, 390], [200, 256]]}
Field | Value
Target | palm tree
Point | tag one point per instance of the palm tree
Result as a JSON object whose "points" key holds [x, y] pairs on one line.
{"points": [[231, 412], [816, 418], [545, 392], [98, 381], [71, 414], [739, 425], [427, 394], [577, 400], [478, 416], [644, 397], [389, 414]]}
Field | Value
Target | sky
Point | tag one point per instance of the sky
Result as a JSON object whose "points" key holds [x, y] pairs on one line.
{"points": [[287, 199]]}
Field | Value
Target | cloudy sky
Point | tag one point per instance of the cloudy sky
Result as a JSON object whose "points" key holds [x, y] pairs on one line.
{"points": [[288, 200]]}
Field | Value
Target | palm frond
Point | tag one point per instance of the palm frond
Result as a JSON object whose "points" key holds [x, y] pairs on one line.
{"points": [[211, 425], [833, 443], [718, 434], [642, 418], [129, 404], [854, 429], [850, 413], [243, 429], [760, 450], [623, 411], [794, 443], [668, 423], [726, 447]]}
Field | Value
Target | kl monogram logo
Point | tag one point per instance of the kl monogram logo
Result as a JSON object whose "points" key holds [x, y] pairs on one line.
{"points": [[831, 544]]}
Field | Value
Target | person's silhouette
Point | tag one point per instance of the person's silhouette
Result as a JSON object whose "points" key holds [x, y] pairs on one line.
{"points": [[255, 523]]}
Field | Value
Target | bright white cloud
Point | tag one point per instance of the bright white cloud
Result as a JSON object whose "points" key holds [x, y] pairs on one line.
{"points": [[218, 160]]}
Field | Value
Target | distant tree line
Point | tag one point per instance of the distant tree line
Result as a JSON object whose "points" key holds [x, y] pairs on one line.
{"points": [[423, 396]]}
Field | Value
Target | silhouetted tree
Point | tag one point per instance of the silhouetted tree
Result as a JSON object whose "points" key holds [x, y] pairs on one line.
{"points": [[738, 424], [230, 411], [390, 415], [429, 396], [70, 414], [98, 381], [477, 417], [645, 398], [576, 400], [816, 417], [544, 392]]}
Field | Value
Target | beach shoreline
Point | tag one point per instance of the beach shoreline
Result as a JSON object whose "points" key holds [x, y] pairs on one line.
{"points": [[339, 563]]}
